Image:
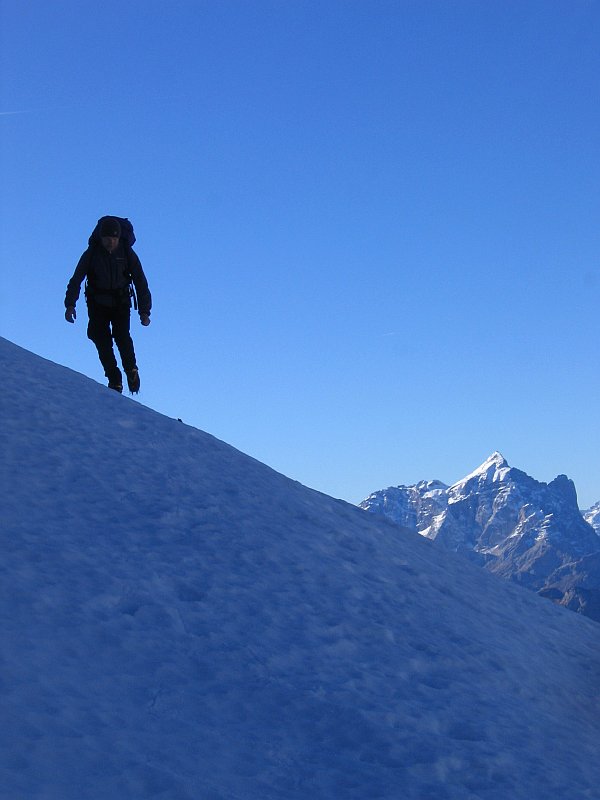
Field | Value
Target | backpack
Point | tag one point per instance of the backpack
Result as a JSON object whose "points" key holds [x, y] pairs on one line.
{"points": [[128, 240], [127, 234]]}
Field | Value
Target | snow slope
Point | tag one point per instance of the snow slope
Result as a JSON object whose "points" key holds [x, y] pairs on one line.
{"points": [[167, 634]]}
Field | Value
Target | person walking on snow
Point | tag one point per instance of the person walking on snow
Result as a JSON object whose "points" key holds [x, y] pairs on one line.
{"points": [[110, 266]]}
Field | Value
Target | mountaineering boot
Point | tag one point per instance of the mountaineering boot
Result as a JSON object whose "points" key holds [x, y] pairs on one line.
{"points": [[115, 380], [133, 380]]}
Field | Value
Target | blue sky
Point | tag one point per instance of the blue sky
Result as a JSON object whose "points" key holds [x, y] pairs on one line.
{"points": [[370, 228]]}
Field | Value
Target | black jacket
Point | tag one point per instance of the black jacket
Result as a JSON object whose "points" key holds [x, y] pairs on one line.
{"points": [[108, 278]]}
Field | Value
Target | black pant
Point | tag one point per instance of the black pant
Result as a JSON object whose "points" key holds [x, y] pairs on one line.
{"points": [[106, 324]]}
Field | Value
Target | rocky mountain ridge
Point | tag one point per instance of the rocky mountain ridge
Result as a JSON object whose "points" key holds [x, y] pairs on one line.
{"points": [[511, 524]]}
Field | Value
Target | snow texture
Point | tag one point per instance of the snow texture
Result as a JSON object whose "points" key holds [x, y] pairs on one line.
{"points": [[180, 622]]}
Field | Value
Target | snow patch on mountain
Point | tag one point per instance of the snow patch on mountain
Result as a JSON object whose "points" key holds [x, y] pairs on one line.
{"points": [[592, 517]]}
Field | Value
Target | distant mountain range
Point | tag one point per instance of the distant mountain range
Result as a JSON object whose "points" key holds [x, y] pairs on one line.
{"points": [[511, 524]]}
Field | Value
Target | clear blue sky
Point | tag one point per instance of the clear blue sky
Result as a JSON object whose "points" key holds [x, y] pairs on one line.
{"points": [[370, 228]]}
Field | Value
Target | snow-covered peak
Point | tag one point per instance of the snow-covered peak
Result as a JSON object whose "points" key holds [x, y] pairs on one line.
{"points": [[494, 469]]}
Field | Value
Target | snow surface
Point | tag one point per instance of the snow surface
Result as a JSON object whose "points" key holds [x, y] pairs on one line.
{"points": [[180, 622]]}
